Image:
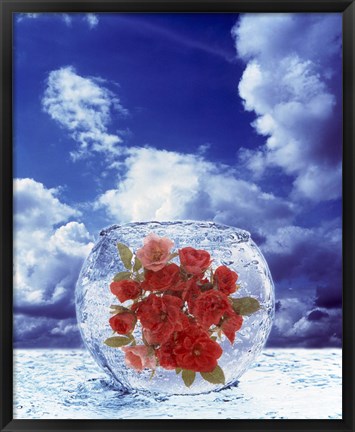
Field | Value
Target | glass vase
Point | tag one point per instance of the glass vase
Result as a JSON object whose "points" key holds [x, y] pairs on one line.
{"points": [[228, 246]]}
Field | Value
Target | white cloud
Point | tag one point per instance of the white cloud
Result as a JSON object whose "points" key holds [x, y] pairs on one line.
{"points": [[286, 239], [166, 185], [322, 182], [314, 254], [92, 20], [39, 331], [298, 323], [83, 106], [23, 16], [306, 329], [291, 311], [67, 19], [64, 328], [48, 250], [292, 82], [31, 198]]}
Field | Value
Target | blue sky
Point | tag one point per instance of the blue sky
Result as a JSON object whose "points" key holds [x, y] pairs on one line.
{"points": [[126, 117]]}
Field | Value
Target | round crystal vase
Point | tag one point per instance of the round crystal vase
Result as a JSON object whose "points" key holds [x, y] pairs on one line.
{"points": [[228, 246]]}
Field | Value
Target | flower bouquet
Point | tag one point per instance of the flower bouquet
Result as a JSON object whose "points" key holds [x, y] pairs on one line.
{"points": [[183, 309]]}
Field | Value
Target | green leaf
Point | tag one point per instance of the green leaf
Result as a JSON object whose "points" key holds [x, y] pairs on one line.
{"points": [[245, 305], [125, 254], [214, 377], [139, 277], [178, 370], [121, 276], [117, 341], [137, 264], [188, 377]]}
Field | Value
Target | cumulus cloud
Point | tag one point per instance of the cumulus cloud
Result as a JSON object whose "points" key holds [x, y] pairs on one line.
{"points": [[92, 20], [292, 82], [48, 253], [318, 333], [315, 253], [45, 332], [38, 207], [306, 266], [83, 106], [166, 185], [22, 16], [289, 311], [67, 19], [299, 324]]}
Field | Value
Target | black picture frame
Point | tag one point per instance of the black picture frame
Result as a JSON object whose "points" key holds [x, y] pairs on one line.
{"points": [[7, 8]]}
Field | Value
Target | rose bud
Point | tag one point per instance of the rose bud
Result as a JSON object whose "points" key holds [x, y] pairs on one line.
{"points": [[125, 290], [226, 279], [194, 261], [123, 323]]}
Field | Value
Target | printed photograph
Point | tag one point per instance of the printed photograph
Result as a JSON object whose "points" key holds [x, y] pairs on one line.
{"points": [[177, 215]]}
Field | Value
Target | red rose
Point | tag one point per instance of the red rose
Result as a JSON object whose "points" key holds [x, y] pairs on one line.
{"points": [[225, 280], [191, 292], [209, 307], [181, 284], [161, 316], [163, 279], [196, 351], [123, 323], [166, 355], [139, 357], [194, 261], [231, 324], [125, 290]]}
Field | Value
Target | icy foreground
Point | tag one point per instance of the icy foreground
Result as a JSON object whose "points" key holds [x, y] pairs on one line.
{"points": [[282, 384]]}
